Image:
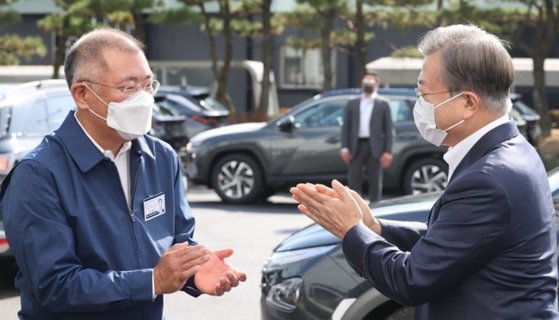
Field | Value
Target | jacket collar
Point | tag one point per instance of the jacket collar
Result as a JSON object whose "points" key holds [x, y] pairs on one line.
{"points": [[82, 150], [487, 143]]}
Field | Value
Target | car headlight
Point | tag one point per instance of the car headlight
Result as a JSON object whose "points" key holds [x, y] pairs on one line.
{"points": [[284, 295], [281, 258]]}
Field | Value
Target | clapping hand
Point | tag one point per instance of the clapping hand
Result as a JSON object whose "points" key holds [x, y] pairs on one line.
{"points": [[217, 276]]}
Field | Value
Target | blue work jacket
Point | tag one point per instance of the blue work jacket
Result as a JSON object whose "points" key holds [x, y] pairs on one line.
{"points": [[82, 252]]}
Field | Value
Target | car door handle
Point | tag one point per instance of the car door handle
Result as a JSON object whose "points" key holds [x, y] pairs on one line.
{"points": [[333, 140]]}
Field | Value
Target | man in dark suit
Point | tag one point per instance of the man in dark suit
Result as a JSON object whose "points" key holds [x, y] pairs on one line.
{"points": [[367, 138], [488, 249]]}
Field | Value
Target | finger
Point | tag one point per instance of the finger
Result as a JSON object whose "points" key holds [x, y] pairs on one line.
{"points": [[241, 276], [225, 284], [362, 204], [194, 258], [342, 191], [218, 289], [232, 279], [190, 272], [178, 246], [326, 190], [224, 253]]}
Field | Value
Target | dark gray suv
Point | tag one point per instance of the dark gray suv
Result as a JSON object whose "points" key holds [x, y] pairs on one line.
{"points": [[247, 162]]}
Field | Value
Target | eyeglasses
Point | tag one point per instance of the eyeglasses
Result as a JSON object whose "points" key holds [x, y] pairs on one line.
{"points": [[128, 89], [419, 94]]}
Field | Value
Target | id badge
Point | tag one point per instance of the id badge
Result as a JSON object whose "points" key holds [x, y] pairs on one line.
{"points": [[154, 206]]}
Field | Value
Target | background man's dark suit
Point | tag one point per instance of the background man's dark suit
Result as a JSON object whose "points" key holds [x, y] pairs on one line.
{"points": [[380, 140], [495, 213]]}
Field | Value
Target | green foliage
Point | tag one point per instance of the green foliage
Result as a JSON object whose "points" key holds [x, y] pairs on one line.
{"points": [[407, 51], [8, 16], [12, 47], [183, 15]]}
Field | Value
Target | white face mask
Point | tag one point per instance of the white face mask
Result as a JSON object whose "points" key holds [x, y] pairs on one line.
{"points": [[424, 116], [131, 118]]}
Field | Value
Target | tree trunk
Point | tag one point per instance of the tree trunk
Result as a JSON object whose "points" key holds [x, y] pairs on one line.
{"points": [[540, 96], [266, 56], [221, 94], [140, 26], [60, 53], [326, 51], [360, 45]]}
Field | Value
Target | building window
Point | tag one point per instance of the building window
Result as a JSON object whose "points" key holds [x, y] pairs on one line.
{"points": [[302, 69]]}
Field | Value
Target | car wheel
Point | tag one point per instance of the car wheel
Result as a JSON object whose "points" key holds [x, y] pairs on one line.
{"points": [[237, 178], [405, 313], [426, 175]]}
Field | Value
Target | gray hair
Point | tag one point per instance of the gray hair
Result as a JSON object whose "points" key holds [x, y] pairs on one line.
{"points": [[85, 59], [474, 60]]}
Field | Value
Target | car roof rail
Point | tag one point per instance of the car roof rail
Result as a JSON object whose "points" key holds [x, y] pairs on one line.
{"points": [[34, 85]]}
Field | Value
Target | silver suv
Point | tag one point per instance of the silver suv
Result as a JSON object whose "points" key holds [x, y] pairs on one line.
{"points": [[28, 112]]}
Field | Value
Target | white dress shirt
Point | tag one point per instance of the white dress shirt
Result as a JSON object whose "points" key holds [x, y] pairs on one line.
{"points": [[455, 154], [121, 161], [366, 106]]}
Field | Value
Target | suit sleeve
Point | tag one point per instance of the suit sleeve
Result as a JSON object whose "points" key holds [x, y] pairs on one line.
{"points": [[468, 233], [346, 126], [403, 234], [389, 129], [42, 239]]}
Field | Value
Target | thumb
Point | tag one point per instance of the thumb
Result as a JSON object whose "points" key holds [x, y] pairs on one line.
{"points": [[224, 253]]}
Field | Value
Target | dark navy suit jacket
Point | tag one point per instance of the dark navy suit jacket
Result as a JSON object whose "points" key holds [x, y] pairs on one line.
{"points": [[488, 251]]}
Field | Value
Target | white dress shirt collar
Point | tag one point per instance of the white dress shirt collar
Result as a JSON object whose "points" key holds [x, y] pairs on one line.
{"points": [[455, 154], [121, 161]]}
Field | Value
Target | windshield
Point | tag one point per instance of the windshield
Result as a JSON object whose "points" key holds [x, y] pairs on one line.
{"points": [[209, 103], [523, 108]]}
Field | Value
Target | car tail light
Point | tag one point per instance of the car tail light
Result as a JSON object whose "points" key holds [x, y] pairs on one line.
{"points": [[4, 163], [204, 120], [4, 246]]}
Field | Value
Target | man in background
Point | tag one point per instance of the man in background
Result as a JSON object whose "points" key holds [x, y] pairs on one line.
{"points": [[367, 138]]}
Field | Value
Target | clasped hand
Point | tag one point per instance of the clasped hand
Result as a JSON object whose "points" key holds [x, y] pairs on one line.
{"points": [[214, 275], [336, 209]]}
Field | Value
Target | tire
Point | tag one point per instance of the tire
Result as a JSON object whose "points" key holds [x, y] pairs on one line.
{"points": [[237, 178], [405, 313], [425, 175]]}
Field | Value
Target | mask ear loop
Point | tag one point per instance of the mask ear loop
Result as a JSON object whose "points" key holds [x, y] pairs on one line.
{"points": [[95, 94], [457, 123]]}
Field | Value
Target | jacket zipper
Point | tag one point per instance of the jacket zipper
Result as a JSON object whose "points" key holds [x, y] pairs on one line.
{"points": [[133, 218]]}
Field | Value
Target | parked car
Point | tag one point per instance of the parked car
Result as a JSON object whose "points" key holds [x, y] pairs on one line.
{"points": [[169, 125], [27, 113], [196, 117], [247, 162], [532, 118], [4, 246], [308, 277], [201, 96]]}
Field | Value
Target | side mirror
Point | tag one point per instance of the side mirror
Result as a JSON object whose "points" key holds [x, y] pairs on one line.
{"points": [[287, 124]]}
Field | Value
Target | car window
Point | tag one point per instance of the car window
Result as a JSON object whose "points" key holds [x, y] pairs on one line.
{"points": [[29, 117], [58, 106], [523, 108], [401, 110], [323, 114]]}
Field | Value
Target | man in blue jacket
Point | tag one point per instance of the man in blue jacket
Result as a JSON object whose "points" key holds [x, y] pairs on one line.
{"points": [[96, 215], [488, 249]]}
